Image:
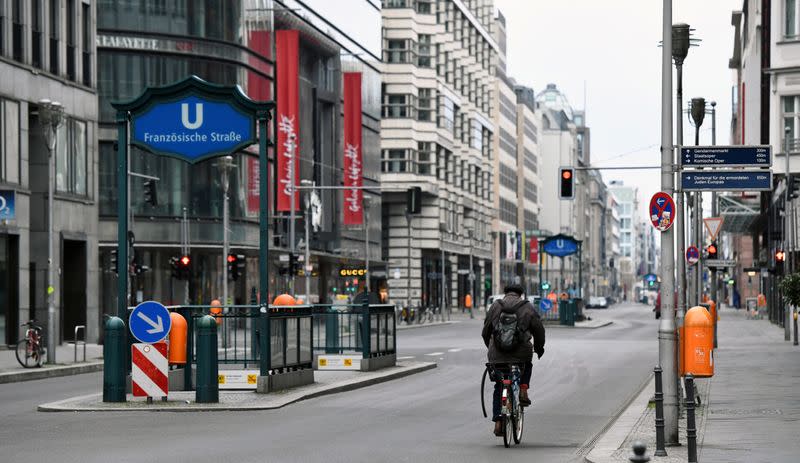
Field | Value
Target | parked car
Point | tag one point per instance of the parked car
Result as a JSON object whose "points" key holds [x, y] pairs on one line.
{"points": [[597, 302]]}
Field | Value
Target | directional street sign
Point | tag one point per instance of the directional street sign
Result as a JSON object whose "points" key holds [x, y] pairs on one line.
{"points": [[713, 225], [662, 211], [545, 304], [726, 156], [150, 322], [729, 180], [692, 255], [720, 263]]}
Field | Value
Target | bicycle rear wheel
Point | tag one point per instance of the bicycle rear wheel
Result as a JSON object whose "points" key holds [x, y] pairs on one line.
{"points": [[508, 430], [29, 356], [519, 422]]}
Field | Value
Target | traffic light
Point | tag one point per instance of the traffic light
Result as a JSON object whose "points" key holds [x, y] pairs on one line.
{"points": [[780, 255], [711, 250], [114, 261], [293, 264], [414, 200], [651, 283], [566, 177], [150, 193], [546, 285], [235, 264], [174, 263], [181, 267], [794, 186]]}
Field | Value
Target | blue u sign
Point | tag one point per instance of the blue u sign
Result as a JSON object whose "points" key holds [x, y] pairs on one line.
{"points": [[193, 128], [560, 246]]}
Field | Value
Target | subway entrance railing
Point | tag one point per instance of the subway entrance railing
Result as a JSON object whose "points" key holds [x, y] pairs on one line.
{"points": [[340, 329]]}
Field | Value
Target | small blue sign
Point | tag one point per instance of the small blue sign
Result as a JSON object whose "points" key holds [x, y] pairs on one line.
{"points": [[726, 156], [560, 246], [733, 180], [545, 304], [651, 277], [7, 200], [150, 322], [193, 128]]}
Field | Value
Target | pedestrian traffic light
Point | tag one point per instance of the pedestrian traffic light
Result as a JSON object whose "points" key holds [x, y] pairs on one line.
{"points": [[414, 200], [114, 261], [235, 265], [780, 256], [546, 285], [711, 250], [566, 177], [293, 264], [174, 263], [184, 267], [150, 194]]}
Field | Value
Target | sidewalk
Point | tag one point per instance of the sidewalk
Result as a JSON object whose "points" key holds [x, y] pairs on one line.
{"points": [[11, 371], [750, 409]]}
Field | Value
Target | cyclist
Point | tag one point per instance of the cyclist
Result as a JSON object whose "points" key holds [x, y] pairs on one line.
{"points": [[510, 323]]}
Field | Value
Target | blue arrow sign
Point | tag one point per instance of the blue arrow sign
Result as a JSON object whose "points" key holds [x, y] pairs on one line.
{"points": [[726, 156], [7, 200], [545, 304], [193, 128], [739, 180], [150, 322]]}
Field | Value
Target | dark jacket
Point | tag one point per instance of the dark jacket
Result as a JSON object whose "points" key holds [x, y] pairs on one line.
{"points": [[526, 317]]}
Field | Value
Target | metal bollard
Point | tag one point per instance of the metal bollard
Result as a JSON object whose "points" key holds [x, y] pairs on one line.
{"points": [[660, 450], [639, 453], [691, 430], [207, 368], [114, 360], [795, 328]]}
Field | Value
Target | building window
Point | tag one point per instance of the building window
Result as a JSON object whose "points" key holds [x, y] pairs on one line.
{"points": [[36, 33], [395, 160], [791, 19], [9, 141], [508, 212], [54, 7], [447, 116], [529, 159], [508, 143], [396, 3], [477, 135], [86, 59], [508, 177], [17, 38], [71, 158], [424, 6], [531, 192], [425, 51], [398, 106], [425, 104], [71, 39], [791, 118], [443, 158], [425, 158], [399, 51]]}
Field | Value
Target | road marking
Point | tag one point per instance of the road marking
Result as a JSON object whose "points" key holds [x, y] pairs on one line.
{"points": [[454, 350], [408, 357], [434, 354]]}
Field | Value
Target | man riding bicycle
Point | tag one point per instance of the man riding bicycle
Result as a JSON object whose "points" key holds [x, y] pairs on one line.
{"points": [[510, 323]]}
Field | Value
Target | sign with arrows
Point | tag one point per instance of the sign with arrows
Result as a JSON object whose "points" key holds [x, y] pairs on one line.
{"points": [[726, 156], [727, 180], [713, 225], [150, 322]]}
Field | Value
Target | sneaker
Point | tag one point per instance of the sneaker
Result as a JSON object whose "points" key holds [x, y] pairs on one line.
{"points": [[524, 401], [498, 428]]}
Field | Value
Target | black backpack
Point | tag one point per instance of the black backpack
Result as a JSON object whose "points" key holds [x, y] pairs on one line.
{"points": [[507, 332]]}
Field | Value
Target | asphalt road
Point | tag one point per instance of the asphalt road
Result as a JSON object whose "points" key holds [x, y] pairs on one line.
{"points": [[583, 379]]}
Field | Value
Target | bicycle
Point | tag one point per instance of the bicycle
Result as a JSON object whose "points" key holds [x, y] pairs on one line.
{"points": [[30, 351], [512, 413]]}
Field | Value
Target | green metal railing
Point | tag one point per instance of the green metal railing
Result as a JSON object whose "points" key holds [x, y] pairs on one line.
{"points": [[341, 329]]}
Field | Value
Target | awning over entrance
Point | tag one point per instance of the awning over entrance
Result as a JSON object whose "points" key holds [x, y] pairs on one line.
{"points": [[739, 212]]}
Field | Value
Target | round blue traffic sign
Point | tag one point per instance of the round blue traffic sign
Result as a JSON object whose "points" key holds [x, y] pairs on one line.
{"points": [[150, 322], [692, 255], [545, 304]]}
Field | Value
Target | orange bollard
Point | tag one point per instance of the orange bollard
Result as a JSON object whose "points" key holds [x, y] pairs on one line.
{"points": [[284, 299], [177, 339], [216, 310], [468, 301], [698, 350]]}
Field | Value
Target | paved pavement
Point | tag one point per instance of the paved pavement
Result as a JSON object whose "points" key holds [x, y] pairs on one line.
{"points": [[750, 410], [11, 371], [584, 379]]}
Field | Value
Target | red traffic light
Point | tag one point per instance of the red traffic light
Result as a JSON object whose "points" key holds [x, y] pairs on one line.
{"points": [[566, 174], [185, 260], [231, 258], [780, 256], [712, 249]]}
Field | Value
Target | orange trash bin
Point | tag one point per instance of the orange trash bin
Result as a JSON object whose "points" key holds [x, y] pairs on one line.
{"points": [[177, 339], [698, 346], [284, 299], [216, 310]]}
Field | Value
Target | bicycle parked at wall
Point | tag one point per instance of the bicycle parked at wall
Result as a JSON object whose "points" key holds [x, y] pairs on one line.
{"points": [[512, 413], [30, 351]]}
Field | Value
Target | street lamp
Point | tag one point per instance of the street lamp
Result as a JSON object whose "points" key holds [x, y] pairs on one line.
{"points": [[51, 116], [225, 166]]}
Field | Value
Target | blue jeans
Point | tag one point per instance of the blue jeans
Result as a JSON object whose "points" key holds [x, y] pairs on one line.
{"points": [[497, 397]]}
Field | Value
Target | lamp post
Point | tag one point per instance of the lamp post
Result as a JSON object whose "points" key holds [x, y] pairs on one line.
{"points": [[366, 202], [698, 112], [307, 260], [714, 207], [51, 116], [225, 165]]}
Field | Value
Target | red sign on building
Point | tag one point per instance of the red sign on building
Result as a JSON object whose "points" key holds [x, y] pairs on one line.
{"points": [[353, 165], [288, 102], [534, 254]]}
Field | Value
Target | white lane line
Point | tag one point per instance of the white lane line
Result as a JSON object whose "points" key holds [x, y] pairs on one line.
{"points": [[408, 357], [455, 350], [434, 354]]}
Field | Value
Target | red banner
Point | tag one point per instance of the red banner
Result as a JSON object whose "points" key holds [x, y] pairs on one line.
{"points": [[534, 254], [353, 166], [288, 101]]}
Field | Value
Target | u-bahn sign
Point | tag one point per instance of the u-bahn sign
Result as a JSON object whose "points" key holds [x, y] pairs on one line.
{"points": [[560, 246]]}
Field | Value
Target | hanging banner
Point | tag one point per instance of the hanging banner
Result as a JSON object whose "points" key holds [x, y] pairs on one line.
{"points": [[511, 245], [534, 254], [353, 166], [287, 63]]}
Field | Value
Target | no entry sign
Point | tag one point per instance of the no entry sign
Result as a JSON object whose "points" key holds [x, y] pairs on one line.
{"points": [[662, 211]]}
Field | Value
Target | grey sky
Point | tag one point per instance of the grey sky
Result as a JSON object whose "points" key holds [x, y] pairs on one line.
{"points": [[612, 47]]}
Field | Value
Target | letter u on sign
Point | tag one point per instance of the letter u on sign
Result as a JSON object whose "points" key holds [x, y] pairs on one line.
{"points": [[198, 116]]}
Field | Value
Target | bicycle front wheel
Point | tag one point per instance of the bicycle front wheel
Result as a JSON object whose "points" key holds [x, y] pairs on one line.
{"points": [[28, 355], [519, 422], [508, 430]]}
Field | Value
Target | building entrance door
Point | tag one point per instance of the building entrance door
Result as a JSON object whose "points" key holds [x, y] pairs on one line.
{"points": [[73, 287], [9, 289]]}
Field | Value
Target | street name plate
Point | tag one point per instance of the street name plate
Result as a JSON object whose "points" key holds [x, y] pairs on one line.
{"points": [[720, 263], [729, 180], [726, 156]]}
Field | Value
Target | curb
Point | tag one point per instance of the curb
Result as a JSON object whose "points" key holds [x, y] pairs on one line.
{"points": [[592, 327], [50, 372], [426, 325], [283, 398], [614, 433]]}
